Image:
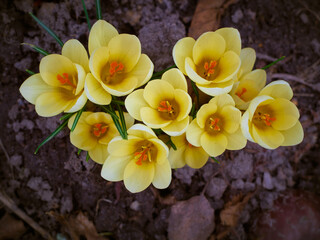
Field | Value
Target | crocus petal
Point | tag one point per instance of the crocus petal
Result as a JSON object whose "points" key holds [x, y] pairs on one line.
{"points": [[176, 157], [248, 58], [181, 50], [258, 101], [195, 157], [246, 126], [229, 65], [194, 133], [134, 102], [98, 60], [209, 45], [236, 140], [76, 52], [180, 140], [82, 138], [111, 133], [162, 150], [138, 177], [80, 121], [119, 147], [231, 118], [222, 100], [157, 91], [98, 117], [176, 128], [54, 64], [162, 175], [184, 101], [215, 89], [293, 136], [113, 167], [141, 131], [33, 87], [205, 111], [122, 88], [81, 73], [99, 153], [191, 70], [152, 118], [95, 92], [267, 137], [128, 119], [100, 35], [125, 48], [214, 145], [175, 77], [77, 103], [278, 89], [142, 70], [232, 38]]}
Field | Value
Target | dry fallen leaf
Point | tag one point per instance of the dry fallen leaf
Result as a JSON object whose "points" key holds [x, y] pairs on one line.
{"points": [[11, 228]]}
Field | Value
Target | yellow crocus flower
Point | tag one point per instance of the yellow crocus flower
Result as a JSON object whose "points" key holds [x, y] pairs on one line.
{"points": [[249, 83], [271, 120], [162, 103], [138, 161], [217, 127], [59, 87], [93, 133], [116, 63], [212, 61]]}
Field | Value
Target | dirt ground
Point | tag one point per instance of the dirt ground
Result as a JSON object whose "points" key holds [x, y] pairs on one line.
{"points": [[236, 199]]}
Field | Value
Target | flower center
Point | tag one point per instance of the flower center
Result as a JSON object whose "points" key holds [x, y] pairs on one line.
{"points": [[65, 80], [240, 93], [214, 124], [99, 129], [115, 67], [209, 68], [143, 155], [265, 117], [165, 107]]}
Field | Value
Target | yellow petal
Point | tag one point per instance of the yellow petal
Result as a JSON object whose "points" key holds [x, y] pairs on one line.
{"points": [[191, 70], [267, 137], [215, 89], [95, 92], [258, 101], [82, 138], [278, 89], [141, 131], [138, 177], [128, 119], [181, 50], [99, 153], [77, 103], [248, 58], [157, 91], [195, 157], [214, 145], [175, 77], [293, 136], [152, 118], [98, 60], [246, 126], [100, 35], [33, 87], [176, 157], [81, 76], [54, 64], [231, 118], [194, 133], [111, 133], [162, 150], [180, 140], [285, 112], [142, 70], [126, 86], [176, 128], [232, 39], [162, 175], [184, 101], [134, 102], [80, 121], [209, 46], [236, 140], [228, 66], [125, 48], [119, 147], [222, 100], [113, 167], [205, 111], [76, 52], [98, 117]]}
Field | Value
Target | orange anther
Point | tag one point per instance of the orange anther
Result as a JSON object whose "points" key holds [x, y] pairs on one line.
{"points": [[64, 79], [214, 124], [115, 67], [99, 129], [209, 68], [165, 106], [142, 155], [243, 91]]}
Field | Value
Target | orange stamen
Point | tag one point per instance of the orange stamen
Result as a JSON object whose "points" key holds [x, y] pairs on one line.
{"points": [[99, 129], [116, 67], [243, 91], [64, 79], [142, 156], [165, 106], [214, 124], [209, 68], [267, 119]]}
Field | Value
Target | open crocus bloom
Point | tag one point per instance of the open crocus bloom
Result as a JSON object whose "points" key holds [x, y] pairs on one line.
{"points": [[217, 127], [271, 120], [212, 61], [186, 153], [249, 82], [59, 87], [116, 63], [138, 161], [163, 103], [93, 133]]}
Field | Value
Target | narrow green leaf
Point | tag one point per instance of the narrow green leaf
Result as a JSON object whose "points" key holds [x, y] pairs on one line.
{"points": [[52, 135], [47, 29], [87, 157], [273, 63], [38, 49], [86, 13], [30, 72], [79, 151], [109, 112], [66, 116], [116, 122], [172, 144], [159, 74], [123, 122], [157, 131], [196, 92], [193, 111], [214, 159], [117, 101], [98, 7], [76, 119]]}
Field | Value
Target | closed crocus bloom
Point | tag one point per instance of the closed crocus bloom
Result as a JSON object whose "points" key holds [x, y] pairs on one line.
{"points": [[93, 133], [271, 120], [59, 87], [138, 161], [212, 61], [186, 153], [249, 83], [162, 103], [116, 63], [217, 127]]}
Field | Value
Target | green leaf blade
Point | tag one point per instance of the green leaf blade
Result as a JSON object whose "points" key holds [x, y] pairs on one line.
{"points": [[38, 49], [86, 14]]}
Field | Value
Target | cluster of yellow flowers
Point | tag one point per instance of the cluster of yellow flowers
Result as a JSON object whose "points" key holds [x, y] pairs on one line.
{"points": [[241, 107]]}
